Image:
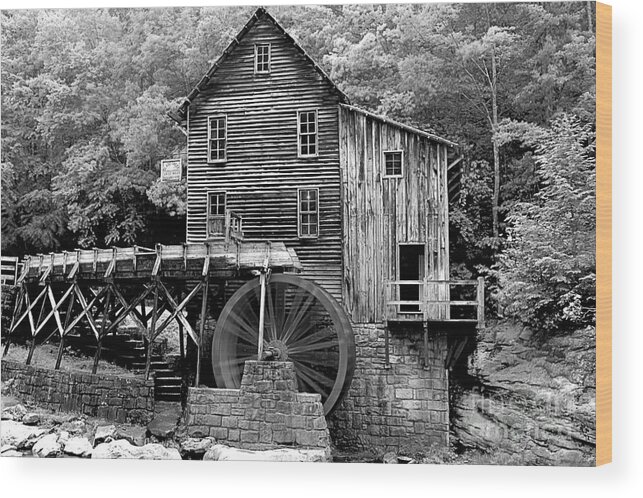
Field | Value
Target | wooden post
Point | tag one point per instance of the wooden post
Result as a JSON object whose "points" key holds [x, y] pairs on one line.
{"points": [[151, 329], [204, 312], [61, 346], [480, 310], [426, 344], [387, 358], [103, 325], [16, 309], [262, 305]]}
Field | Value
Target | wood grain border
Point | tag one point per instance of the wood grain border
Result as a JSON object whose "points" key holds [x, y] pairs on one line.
{"points": [[603, 233]]}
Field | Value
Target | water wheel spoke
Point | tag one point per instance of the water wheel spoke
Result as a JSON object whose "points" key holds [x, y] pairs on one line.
{"points": [[295, 317], [314, 347], [318, 381], [310, 358], [321, 335], [300, 334], [239, 327]]}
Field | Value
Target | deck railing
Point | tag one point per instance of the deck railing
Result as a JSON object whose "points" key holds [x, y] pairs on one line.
{"points": [[434, 301], [10, 270]]}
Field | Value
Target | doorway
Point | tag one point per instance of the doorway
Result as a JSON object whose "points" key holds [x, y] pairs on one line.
{"points": [[410, 267]]}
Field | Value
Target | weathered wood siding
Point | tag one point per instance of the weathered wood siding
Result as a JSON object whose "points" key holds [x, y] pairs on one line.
{"points": [[262, 172], [379, 213]]}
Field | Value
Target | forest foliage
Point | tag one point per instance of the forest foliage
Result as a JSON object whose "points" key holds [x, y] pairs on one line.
{"points": [[85, 97]]}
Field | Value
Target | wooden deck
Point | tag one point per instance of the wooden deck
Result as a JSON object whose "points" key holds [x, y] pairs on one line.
{"points": [[216, 259]]}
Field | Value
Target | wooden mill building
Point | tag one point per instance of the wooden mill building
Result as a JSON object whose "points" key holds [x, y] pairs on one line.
{"points": [[276, 151]]}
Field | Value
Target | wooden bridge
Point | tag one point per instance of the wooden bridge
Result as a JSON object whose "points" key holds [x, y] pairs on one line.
{"points": [[102, 287]]}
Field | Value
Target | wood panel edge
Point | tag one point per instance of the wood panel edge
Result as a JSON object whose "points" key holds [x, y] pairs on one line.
{"points": [[603, 233]]}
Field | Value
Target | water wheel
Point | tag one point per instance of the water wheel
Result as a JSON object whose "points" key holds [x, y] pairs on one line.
{"points": [[303, 324]]}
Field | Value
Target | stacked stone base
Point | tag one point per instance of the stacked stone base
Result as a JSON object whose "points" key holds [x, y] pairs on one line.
{"points": [[106, 396], [267, 412], [401, 407]]}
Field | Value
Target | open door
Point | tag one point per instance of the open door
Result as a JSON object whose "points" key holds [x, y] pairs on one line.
{"points": [[411, 267]]}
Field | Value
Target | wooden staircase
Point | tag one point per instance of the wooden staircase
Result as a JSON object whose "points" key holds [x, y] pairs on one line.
{"points": [[129, 352]]}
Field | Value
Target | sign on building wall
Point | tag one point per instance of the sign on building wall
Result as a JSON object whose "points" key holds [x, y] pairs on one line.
{"points": [[171, 170]]}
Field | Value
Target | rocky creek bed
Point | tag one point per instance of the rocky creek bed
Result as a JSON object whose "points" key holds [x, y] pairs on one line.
{"points": [[527, 400]]}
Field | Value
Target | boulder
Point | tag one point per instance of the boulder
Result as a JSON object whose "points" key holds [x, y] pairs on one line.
{"points": [[104, 433], [123, 449], [194, 448], [31, 418], [6, 447], [132, 434], [11, 453], [220, 452], [78, 446], [47, 447], [19, 435], [390, 457], [15, 412]]}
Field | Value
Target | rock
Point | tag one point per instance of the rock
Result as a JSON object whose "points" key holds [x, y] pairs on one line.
{"points": [[75, 426], [405, 459], [6, 447], [11, 453], [165, 421], [389, 457], [132, 434], [219, 452], [31, 418], [63, 437], [123, 449], [104, 433], [78, 446], [194, 448], [18, 435], [47, 447], [15, 412]]}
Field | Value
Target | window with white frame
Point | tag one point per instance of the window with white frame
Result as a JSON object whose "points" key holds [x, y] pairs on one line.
{"points": [[307, 133], [217, 138], [216, 214], [308, 212], [262, 58], [393, 163]]}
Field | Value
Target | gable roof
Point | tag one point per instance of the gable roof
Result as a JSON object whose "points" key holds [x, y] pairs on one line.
{"points": [[260, 13]]}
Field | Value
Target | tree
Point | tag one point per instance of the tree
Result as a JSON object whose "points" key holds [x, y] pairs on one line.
{"points": [[547, 273]]}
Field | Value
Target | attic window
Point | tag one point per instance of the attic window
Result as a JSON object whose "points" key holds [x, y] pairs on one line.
{"points": [[393, 163], [217, 137], [262, 58]]}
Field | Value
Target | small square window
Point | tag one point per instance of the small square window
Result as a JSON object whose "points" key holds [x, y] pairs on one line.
{"points": [[262, 58], [307, 133], [217, 138], [393, 163]]}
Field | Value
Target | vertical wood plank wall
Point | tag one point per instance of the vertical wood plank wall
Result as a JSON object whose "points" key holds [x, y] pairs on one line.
{"points": [[379, 213], [262, 172]]}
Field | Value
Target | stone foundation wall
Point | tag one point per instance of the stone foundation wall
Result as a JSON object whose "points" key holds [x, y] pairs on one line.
{"points": [[110, 397], [402, 408], [266, 412]]}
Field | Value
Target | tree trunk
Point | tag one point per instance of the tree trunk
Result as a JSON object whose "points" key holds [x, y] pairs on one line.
{"points": [[494, 141]]}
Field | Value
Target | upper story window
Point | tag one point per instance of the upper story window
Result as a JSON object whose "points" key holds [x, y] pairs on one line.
{"points": [[217, 138], [393, 163], [216, 214], [307, 133], [262, 58], [308, 212]]}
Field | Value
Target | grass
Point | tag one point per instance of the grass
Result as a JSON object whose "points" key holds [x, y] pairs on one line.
{"points": [[45, 356]]}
